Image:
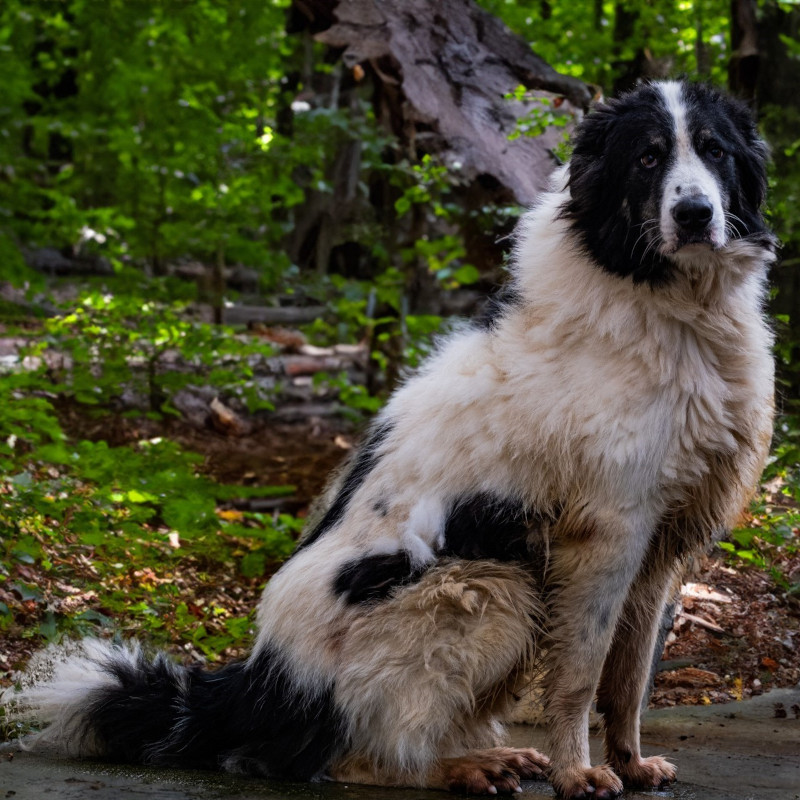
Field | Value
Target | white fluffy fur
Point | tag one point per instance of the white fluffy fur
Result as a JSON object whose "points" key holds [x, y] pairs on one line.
{"points": [[592, 376], [58, 685]]}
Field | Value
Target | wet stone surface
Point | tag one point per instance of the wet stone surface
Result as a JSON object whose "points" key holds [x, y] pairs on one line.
{"points": [[739, 751]]}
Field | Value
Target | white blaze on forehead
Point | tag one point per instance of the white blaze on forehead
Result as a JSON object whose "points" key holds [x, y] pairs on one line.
{"points": [[687, 176], [671, 91]]}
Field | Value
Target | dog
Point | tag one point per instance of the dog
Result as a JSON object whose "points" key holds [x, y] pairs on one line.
{"points": [[524, 501]]}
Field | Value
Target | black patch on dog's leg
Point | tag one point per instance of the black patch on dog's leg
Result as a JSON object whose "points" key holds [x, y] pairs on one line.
{"points": [[248, 716], [374, 577], [485, 526], [363, 463]]}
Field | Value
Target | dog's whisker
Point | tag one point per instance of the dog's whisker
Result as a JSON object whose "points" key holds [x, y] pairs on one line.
{"points": [[653, 225], [731, 218], [653, 244]]}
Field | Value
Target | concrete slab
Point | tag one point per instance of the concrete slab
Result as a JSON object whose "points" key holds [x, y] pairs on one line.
{"points": [[739, 751]]}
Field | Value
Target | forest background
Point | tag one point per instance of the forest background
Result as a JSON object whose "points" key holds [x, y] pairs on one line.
{"points": [[228, 226]]}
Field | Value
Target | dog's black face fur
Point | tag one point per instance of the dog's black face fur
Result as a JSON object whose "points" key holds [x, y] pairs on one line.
{"points": [[627, 154]]}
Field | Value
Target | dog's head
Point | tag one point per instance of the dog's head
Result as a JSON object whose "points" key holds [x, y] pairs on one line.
{"points": [[663, 174]]}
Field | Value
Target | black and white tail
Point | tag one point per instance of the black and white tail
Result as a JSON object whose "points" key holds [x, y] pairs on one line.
{"points": [[114, 702]]}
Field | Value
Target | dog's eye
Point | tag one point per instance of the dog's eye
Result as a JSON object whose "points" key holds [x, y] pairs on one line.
{"points": [[649, 160], [716, 152]]}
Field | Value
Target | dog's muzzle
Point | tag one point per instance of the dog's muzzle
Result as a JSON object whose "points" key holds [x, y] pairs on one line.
{"points": [[693, 216]]}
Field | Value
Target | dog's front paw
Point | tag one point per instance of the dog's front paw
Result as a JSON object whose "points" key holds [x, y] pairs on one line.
{"points": [[654, 772], [582, 783]]}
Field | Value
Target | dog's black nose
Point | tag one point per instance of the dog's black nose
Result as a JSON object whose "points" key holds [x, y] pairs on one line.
{"points": [[693, 213]]}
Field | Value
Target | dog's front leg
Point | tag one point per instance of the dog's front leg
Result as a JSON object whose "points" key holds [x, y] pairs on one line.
{"points": [[590, 581], [626, 673]]}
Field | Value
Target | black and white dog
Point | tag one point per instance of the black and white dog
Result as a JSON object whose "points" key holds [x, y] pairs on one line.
{"points": [[527, 498]]}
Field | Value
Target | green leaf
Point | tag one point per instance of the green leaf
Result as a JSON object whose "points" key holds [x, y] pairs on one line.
{"points": [[27, 592], [466, 274], [135, 496], [253, 564]]}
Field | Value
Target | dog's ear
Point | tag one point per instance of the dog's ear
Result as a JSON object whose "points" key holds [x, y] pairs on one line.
{"points": [[751, 160], [590, 135], [751, 154], [587, 164]]}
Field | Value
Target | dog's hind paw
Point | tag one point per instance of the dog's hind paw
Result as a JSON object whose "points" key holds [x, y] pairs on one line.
{"points": [[494, 771], [525, 761], [597, 783], [654, 772]]}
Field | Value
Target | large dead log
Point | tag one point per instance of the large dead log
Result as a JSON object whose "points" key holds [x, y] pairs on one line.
{"points": [[444, 67], [270, 315]]}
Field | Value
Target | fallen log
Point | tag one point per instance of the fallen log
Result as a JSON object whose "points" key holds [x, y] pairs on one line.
{"points": [[288, 315]]}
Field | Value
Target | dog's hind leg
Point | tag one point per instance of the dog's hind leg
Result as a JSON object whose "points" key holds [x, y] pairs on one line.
{"points": [[625, 676], [425, 674]]}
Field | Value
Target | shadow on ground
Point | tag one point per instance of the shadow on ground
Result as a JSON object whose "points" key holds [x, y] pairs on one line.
{"points": [[738, 751]]}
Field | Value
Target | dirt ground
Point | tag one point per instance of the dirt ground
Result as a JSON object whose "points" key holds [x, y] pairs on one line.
{"points": [[734, 636]]}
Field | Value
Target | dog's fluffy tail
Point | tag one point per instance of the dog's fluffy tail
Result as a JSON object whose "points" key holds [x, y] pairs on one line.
{"points": [[112, 701]]}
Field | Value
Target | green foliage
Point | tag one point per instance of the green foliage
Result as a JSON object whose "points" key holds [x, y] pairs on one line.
{"points": [[26, 420], [14, 268], [354, 397], [431, 184], [772, 537], [113, 343], [542, 116], [394, 330], [146, 130], [120, 522], [782, 128], [598, 41]]}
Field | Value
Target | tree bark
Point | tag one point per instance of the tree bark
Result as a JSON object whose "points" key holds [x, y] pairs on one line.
{"points": [[743, 66], [441, 71]]}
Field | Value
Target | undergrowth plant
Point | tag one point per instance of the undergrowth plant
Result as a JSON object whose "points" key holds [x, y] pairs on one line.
{"points": [[113, 343], [105, 531], [99, 536], [772, 538]]}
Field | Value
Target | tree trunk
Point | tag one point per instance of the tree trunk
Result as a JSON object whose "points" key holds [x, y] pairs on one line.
{"points": [[453, 63], [743, 66], [218, 284], [766, 70]]}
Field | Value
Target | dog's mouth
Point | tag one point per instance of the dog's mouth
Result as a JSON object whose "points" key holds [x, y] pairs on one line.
{"points": [[694, 239], [693, 242]]}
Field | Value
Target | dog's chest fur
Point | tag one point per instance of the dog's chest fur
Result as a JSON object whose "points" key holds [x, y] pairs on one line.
{"points": [[592, 387]]}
